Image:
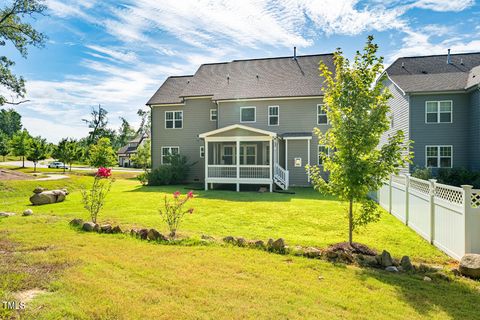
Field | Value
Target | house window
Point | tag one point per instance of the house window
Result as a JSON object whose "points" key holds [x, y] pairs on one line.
{"points": [[438, 111], [439, 156], [322, 150], [321, 114], [202, 152], [228, 154], [248, 114], [248, 154], [213, 114], [273, 115], [173, 119], [168, 151]]}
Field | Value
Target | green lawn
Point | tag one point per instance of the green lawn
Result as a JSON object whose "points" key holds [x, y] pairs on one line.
{"points": [[117, 277]]}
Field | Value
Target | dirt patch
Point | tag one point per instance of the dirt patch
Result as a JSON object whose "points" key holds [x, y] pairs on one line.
{"points": [[354, 248], [27, 295], [6, 174]]}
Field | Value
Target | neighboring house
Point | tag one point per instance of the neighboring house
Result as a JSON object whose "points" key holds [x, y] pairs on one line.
{"points": [[437, 105], [126, 152], [244, 121]]}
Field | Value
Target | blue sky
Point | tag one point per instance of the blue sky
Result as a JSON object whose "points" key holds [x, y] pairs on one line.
{"points": [[117, 53]]}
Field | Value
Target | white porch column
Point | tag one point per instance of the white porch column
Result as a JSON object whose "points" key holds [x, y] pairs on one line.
{"points": [[286, 154], [238, 164], [270, 161], [206, 163], [308, 159]]}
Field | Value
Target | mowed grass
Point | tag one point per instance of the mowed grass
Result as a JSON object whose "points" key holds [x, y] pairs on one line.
{"points": [[305, 218]]}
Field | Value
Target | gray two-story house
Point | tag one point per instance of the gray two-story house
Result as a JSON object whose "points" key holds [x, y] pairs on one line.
{"points": [[244, 121], [436, 102]]}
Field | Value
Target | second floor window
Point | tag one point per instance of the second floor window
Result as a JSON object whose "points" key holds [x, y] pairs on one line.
{"points": [[321, 114], [173, 119], [247, 114], [273, 115], [438, 111], [213, 114]]}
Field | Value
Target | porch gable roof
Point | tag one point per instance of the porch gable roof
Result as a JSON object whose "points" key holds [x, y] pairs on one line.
{"points": [[237, 126]]}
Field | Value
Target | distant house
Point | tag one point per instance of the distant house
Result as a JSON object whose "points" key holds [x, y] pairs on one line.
{"points": [[126, 152], [437, 105], [244, 121]]}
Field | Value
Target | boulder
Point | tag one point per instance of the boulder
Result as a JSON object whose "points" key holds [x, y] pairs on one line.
{"points": [[367, 261], [406, 264], [312, 253], [6, 214], [391, 269], [76, 222], [278, 245], [27, 212], [345, 256], [385, 259], [106, 228], [89, 226], [142, 234], [39, 190], [470, 265], [332, 255], [428, 279], [134, 232], [229, 239], [116, 229], [269, 242], [47, 197], [241, 242], [154, 235], [256, 244]]}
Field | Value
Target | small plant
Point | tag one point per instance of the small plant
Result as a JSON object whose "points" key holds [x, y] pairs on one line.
{"points": [[94, 199], [422, 173], [173, 212]]}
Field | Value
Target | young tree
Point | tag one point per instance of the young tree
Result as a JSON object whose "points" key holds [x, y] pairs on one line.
{"points": [[145, 125], [357, 111], [125, 133], [4, 149], [21, 35], [39, 149], [20, 145], [10, 122], [67, 151], [143, 158], [102, 154]]}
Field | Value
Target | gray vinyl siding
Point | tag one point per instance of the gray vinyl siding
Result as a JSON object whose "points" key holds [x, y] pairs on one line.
{"points": [[399, 112], [296, 115], [474, 144], [455, 133], [196, 120]]}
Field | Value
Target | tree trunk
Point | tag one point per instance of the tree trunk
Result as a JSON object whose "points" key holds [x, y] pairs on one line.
{"points": [[64, 168], [34, 166], [350, 222], [23, 162]]}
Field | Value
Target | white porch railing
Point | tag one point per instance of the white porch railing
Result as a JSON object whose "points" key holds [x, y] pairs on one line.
{"points": [[246, 171], [281, 175]]}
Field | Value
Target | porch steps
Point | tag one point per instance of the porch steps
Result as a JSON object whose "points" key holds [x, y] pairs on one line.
{"points": [[281, 177]]}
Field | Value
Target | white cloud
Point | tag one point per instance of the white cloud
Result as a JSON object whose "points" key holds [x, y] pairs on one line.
{"points": [[444, 5]]}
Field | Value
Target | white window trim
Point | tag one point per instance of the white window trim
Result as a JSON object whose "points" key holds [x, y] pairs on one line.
{"points": [[254, 114], [438, 111], [438, 155], [318, 114], [181, 111], [270, 116], [318, 153], [234, 154], [244, 147], [202, 150], [211, 118], [165, 147]]}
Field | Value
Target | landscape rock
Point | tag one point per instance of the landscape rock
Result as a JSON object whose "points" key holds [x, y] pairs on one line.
{"points": [[312, 253], [89, 226], [229, 239], [154, 235], [142, 234], [106, 228], [332, 255], [269, 242], [470, 265], [6, 214], [346, 257], [76, 222], [207, 237], [385, 259], [134, 232], [391, 269], [116, 229], [368, 261], [406, 264], [241, 242], [39, 190], [428, 279], [27, 212], [48, 197], [278, 245]]}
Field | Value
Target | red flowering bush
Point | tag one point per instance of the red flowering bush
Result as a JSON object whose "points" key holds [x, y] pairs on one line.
{"points": [[94, 199], [173, 212]]}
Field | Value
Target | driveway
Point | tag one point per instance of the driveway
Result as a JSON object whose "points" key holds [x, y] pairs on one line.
{"points": [[44, 164]]}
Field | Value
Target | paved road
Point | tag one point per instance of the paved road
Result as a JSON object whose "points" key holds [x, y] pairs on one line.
{"points": [[44, 164]]}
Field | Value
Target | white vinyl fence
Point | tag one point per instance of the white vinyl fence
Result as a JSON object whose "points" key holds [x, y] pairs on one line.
{"points": [[447, 216]]}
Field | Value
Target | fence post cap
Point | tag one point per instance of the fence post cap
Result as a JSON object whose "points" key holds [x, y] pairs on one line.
{"points": [[432, 180], [466, 186]]}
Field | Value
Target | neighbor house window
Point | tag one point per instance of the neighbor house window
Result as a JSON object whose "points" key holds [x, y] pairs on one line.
{"points": [[202, 152], [322, 150], [247, 114], [438, 111], [168, 151], [173, 119], [273, 115], [321, 114], [439, 156], [213, 114]]}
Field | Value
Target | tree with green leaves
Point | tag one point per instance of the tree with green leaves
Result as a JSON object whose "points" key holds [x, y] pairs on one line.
{"points": [[15, 29], [4, 145], [20, 145], [101, 154], [143, 157], [125, 133], [67, 151], [10, 122], [357, 110], [39, 149], [145, 122], [98, 125]]}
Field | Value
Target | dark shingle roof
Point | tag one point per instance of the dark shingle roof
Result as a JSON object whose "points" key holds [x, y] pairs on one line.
{"points": [[254, 78], [433, 73], [169, 91]]}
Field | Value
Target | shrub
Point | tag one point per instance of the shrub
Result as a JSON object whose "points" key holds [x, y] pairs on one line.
{"points": [[143, 178], [160, 176], [458, 176], [422, 173], [172, 213], [175, 172]]}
